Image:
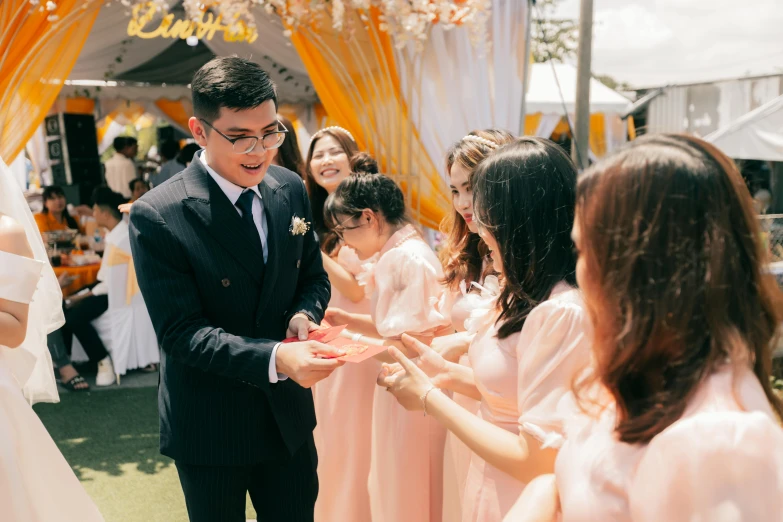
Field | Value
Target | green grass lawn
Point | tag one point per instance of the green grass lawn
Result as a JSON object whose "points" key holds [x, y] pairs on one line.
{"points": [[111, 441]]}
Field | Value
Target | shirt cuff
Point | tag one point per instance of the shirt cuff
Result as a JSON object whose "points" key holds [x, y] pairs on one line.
{"points": [[273, 375]]}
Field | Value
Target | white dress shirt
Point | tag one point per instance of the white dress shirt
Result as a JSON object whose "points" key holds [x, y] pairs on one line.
{"points": [[120, 171], [233, 192]]}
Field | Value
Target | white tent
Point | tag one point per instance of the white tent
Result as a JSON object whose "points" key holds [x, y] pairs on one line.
{"points": [[544, 96], [757, 135], [110, 54]]}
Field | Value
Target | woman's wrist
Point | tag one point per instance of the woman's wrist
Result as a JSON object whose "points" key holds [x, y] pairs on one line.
{"points": [[445, 378]]}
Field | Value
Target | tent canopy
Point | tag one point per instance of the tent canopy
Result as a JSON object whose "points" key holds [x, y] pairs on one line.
{"points": [[757, 135], [544, 96], [110, 54]]}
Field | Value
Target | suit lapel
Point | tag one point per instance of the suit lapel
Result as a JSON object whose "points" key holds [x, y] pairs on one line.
{"points": [[276, 206], [221, 219]]}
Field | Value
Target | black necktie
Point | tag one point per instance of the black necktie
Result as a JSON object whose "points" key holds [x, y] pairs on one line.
{"points": [[245, 204]]}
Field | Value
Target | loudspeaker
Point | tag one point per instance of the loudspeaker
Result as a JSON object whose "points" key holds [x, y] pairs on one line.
{"points": [[81, 138], [72, 144]]}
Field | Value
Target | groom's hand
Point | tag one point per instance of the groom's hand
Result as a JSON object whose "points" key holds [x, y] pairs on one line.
{"points": [[307, 362], [300, 327]]}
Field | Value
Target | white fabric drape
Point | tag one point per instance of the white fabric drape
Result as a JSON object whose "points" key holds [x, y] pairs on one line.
{"points": [[109, 49], [547, 125], [455, 87], [109, 41]]}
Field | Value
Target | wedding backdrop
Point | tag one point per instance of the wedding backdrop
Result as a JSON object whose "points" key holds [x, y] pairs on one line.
{"points": [[405, 78]]}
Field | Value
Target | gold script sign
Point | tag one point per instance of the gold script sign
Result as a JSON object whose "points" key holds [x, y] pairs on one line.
{"points": [[204, 28]]}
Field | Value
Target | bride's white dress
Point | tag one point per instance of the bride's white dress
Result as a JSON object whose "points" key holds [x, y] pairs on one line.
{"points": [[36, 483]]}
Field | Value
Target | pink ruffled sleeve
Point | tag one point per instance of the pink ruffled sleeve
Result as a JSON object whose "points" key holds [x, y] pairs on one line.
{"points": [[712, 467], [553, 347], [407, 289]]}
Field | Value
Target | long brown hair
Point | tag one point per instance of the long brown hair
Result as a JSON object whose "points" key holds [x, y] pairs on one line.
{"points": [[463, 253], [288, 154], [675, 280], [316, 192], [524, 195]]}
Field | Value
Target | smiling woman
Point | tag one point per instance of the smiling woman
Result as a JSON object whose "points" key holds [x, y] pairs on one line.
{"points": [[327, 164]]}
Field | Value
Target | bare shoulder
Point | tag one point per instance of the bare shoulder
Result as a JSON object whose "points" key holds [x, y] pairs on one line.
{"points": [[13, 238]]}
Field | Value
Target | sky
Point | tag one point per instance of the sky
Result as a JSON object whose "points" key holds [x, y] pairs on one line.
{"points": [[658, 42]]}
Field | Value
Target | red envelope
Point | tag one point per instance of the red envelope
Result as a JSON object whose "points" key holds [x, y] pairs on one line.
{"points": [[330, 335], [365, 351], [322, 335]]}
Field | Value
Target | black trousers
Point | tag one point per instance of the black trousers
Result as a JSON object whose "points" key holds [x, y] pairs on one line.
{"points": [[78, 321], [281, 491]]}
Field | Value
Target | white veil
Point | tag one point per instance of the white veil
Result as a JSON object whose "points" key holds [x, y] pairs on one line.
{"points": [[31, 363]]}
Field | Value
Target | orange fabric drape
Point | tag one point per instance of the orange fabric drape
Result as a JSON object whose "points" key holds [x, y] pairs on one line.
{"points": [[531, 123], [357, 82], [79, 105], [127, 113], [36, 56], [598, 134], [178, 111], [631, 128]]}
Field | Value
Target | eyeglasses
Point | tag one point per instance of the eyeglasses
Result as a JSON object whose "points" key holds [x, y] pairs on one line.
{"points": [[340, 228], [246, 144]]}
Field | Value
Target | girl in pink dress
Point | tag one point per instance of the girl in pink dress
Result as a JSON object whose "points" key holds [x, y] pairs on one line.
{"points": [[464, 263], [682, 423], [529, 347], [368, 211], [343, 403]]}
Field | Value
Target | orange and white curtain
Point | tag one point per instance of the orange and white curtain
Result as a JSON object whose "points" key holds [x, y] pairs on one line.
{"points": [[453, 86], [406, 108], [38, 49]]}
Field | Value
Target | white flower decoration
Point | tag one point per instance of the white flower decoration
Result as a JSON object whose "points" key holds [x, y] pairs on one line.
{"points": [[299, 226]]}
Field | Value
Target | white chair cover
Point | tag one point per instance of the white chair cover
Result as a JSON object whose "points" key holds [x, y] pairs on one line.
{"points": [[125, 329]]}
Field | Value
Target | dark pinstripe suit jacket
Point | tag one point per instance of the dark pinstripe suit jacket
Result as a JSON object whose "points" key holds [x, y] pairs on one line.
{"points": [[218, 313]]}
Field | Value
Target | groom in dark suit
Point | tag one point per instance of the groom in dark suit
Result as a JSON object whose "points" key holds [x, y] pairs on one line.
{"points": [[228, 267]]}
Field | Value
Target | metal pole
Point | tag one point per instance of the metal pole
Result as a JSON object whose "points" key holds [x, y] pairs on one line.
{"points": [[526, 71], [581, 141]]}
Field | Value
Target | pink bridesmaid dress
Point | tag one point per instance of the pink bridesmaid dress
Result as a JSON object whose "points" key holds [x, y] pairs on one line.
{"points": [[406, 472], [460, 306], [722, 461], [525, 384], [343, 409]]}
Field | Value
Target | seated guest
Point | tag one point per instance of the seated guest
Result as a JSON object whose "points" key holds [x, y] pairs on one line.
{"points": [[54, 215], [88, 305], [138, 188], [69, 377], [169, 152], [120, 168]]}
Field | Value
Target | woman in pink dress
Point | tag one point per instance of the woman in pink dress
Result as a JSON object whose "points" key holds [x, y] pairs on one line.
{"points": [[464, 263], [343, 403], [368, 211], [529, 347], [682, 424]]}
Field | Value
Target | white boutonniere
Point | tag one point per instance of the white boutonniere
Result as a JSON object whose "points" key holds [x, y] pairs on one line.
{"points": [[299, 226]]}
